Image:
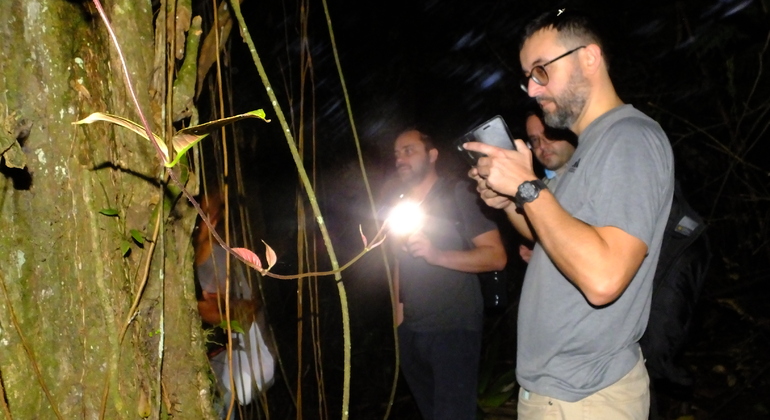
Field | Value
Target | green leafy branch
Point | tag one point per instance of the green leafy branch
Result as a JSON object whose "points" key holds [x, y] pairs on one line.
{"points": [[182, 141]]}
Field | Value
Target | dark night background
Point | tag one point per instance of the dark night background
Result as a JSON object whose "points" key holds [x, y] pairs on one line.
{"points": [[697, 66]]}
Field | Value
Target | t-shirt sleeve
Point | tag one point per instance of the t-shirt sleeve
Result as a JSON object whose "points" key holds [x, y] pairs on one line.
{"points": [[475, 214], [635, 172]]}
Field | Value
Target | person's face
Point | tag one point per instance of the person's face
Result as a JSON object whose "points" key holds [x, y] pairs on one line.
{"points": [[553, 154], [564, 98], [413, 161]]}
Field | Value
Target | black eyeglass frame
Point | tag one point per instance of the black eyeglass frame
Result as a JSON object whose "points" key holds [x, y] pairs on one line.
{"points": [[525, 82]]}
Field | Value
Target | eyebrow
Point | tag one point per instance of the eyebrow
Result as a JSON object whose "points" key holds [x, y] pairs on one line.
{"points": [[535, 63]]}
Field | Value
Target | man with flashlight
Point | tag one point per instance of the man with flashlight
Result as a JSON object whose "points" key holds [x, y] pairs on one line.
{"points": [[586, 294], [440, 308]]}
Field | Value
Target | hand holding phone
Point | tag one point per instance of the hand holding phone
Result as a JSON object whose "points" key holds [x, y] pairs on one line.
{"points": [[493, 132]]}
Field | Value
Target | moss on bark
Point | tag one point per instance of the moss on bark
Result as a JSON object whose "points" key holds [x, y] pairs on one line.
{"points": [[69, 286]]}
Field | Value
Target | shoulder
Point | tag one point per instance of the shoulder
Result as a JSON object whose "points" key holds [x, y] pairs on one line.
{"points": [[631, 124], [630, 134]]}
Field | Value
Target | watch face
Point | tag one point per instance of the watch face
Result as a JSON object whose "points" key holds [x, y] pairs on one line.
{"points": [[528, 191]]}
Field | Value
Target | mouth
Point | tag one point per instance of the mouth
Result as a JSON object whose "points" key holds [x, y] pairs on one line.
{"points": [[543, 100]]}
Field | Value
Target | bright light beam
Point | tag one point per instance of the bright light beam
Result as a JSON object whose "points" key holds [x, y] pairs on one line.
{"points": [[405, 219]]}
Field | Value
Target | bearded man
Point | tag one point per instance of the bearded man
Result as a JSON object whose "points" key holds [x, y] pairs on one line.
{"points": [[586, 294], [440, 306]]}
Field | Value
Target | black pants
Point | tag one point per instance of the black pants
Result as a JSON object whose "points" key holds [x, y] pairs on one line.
{"points": [[442, 370]]}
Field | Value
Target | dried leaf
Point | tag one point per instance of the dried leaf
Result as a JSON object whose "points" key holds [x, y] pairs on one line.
{"points": [[249, 257], [143, 408], [209, 50], [270, 255], [183, 15]]}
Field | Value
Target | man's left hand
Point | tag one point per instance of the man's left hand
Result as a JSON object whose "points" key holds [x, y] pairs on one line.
{"points": [[504, 170]]}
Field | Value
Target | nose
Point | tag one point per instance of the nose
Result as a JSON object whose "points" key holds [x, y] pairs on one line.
{"points": [[533, 89]]}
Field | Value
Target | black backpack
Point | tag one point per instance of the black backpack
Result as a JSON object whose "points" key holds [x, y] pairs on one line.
{"points": [[681, 271]]}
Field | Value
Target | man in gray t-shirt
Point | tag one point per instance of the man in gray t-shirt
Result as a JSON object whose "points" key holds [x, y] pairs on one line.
{"points": [[586, 295]]}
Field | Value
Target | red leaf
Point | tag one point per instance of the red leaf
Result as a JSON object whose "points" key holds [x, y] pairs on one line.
{"points": [[249, 256]]}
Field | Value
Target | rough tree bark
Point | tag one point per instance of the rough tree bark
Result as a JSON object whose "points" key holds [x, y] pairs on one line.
{"points": [[65, 286]]}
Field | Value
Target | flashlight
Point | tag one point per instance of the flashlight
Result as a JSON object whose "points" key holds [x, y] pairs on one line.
{"points": [[405, 219]]}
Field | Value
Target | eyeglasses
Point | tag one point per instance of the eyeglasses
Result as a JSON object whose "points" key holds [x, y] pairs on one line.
{"points": [[538, 73]]}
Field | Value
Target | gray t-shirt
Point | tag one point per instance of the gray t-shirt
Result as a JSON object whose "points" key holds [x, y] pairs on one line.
{"points": [[437, 298], [621, 175]]}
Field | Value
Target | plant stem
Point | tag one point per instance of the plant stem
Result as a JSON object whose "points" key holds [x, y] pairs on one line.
{"points": [[313, 204]]}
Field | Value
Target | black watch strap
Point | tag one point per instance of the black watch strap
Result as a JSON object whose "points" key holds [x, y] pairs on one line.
{"points": [[528, 191]]}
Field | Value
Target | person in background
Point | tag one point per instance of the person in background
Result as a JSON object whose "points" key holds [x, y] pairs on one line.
{"points": [[440, 306], [553, 148], [252, 356]]}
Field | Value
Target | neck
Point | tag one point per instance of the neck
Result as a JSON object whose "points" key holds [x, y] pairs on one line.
{"points": [[599, 103], [561, 170], [420, 190]]}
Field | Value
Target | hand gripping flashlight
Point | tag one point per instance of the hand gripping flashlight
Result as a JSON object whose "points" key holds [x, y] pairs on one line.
{"points": [[405, 219]]}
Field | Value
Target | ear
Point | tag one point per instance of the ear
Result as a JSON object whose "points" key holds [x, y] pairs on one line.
{"points": [[433, 155], [592, 58]]}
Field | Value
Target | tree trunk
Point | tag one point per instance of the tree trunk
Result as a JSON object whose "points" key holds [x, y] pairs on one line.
{"points": [[66, 286]]}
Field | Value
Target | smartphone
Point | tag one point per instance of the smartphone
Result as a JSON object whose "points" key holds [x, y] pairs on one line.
{"points": [[493, 132]]}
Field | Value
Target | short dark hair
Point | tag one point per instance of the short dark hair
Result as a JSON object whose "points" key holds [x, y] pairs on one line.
{"points": [[426, 139], [574, 28]]}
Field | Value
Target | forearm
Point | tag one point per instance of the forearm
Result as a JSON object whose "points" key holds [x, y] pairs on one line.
{"points": [[212, 310], [519, 222], [476, 260], [209, 311], [600, 261]]}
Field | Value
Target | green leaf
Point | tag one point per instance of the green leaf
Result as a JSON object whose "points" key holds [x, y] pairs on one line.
{"points": [[183, 140], [234, 325], [124, 122], [109, 212], [138, 237], [496, 400], [188, 137], [125, 247]]}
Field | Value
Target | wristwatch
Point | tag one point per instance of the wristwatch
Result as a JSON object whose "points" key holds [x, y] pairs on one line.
{"points": [[529, 191]]}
